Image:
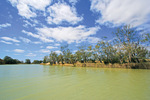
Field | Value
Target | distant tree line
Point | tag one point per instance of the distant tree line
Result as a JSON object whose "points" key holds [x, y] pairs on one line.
{"points": [[126, 47], [37, 61], [9, 60]]}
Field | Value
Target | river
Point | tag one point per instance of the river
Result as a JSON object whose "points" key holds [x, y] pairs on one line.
{"points": [[39, 82]]}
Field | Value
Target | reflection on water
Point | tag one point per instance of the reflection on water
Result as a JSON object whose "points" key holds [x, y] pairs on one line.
{"points": [[37, 82]]}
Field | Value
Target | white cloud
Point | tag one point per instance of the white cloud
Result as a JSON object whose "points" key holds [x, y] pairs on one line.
{"points": [[73, 1], [27, 23], [93, 39], [25, 40], [41, 37], [32, 23], [51, 47], [5, 42], [61, 12], [44, 51], [27, 8], [37, 42], [9, 39], [118, 12], [25, 11], [57, 44], [58, 51], [18, 50], [4, 25], [48, 51], [30, 34], [61, 34], [67, 34], [31, 55]]}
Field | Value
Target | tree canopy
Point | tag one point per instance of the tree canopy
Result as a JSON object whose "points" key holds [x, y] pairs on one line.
{"points": [[27, 61], [126, 47]]}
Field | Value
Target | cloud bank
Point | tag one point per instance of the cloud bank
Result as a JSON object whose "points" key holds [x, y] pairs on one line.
{"points": [[118, 12], [61, 12], [64, 34]]}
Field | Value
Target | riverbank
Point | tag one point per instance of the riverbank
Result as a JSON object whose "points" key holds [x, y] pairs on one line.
{"points": [[145, 65]]}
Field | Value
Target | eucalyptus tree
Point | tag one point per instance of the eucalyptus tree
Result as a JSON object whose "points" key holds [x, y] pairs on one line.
{"points": [[146, 38], [100, 51], [1, 61], [106, 51], [128, 42], [72, 59], [27, 61], [37, 61], [78, 56], [68, 56], [53, 57], [8, 60], [60, 58], [66, 53], [89, 52], [97, 53], [83, 53], [46, 59]]}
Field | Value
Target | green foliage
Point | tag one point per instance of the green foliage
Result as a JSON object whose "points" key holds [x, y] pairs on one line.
{"points": [[9, 60], [126, 47], [78, 56], [37, 61], [146, 38], [27, 61], [66, 54], [60, 58], [46, 59], [53, 57], [2, 61]]}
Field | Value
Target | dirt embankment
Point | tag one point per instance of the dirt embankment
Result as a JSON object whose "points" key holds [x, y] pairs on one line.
{"points": [[102, 65]]}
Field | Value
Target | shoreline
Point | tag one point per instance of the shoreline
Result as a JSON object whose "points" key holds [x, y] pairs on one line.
{"points": [[102, 65]]}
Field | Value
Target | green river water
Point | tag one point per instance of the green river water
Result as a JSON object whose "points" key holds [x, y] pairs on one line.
{"points": [[38, 82]]}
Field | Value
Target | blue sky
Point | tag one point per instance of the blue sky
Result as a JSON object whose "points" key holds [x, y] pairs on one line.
{"points": [[33, 28]]}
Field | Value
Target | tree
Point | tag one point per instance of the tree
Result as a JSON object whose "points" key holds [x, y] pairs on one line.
{"points": [[90, 53], [1, 61], [27, 61], [78, 56], [126, 47], [72, 59], [100, 51], [84, 53], [45, 60], [68, 56], [128, 42], [37, 61], [146, 38], [105, 51], [60, 58], [8, 60], [53, 57]]}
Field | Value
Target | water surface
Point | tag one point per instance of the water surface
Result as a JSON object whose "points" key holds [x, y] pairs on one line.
{"points": [[38, 82]]}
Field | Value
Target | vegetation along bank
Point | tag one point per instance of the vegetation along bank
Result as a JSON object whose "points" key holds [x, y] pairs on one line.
{"points": [[128, 49]]}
